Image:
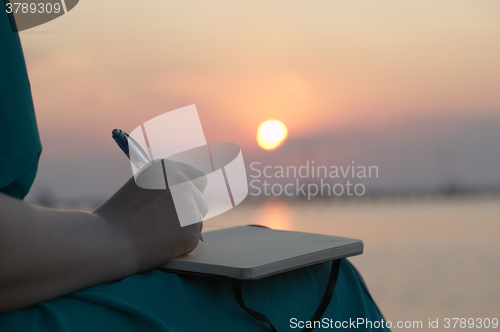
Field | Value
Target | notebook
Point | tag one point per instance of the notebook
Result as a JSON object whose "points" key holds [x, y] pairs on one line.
{"points": [[254, 252]]}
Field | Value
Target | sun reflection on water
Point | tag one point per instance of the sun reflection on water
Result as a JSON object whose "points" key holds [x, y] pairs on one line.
{"points": [[276, 215]]}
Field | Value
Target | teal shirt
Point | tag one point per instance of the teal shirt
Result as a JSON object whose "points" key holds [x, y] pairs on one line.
{"points": [[155, 301]]}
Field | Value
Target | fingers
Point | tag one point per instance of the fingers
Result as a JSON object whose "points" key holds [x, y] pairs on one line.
{"points": [[195, 175], [186, 185], [189, 203], [201, 203], [178, 172], [200, 183]]}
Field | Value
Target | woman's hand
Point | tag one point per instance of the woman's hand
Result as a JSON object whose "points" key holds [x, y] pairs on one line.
{"points": [[148, 217]]}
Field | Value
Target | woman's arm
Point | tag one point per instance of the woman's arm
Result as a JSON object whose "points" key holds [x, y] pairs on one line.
{"points": [[45, 253]]}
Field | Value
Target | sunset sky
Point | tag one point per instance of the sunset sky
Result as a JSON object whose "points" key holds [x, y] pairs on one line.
{"points": [[345, 72]]}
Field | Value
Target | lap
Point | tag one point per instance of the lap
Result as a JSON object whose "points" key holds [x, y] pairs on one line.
{"points": [[160, 301]]}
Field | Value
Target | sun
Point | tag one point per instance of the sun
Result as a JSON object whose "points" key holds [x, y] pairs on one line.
{"points": [[271, 134]]}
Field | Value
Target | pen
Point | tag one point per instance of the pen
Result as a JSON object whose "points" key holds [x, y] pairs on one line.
{"points": [[139, 157]]}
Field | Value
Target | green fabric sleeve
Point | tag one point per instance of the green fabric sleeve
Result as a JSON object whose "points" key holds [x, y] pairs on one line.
{"points": [[20, 145]]}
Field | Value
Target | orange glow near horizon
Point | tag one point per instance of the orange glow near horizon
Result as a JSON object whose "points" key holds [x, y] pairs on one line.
{"points": [[275, 215], [271, 134]]}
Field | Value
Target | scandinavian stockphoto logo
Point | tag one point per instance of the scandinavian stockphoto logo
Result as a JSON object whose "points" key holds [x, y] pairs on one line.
{"points": [[177, 137], [25, 14]]}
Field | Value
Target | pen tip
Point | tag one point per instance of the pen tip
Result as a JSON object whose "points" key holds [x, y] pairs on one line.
{"points": [[115, 132]]}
